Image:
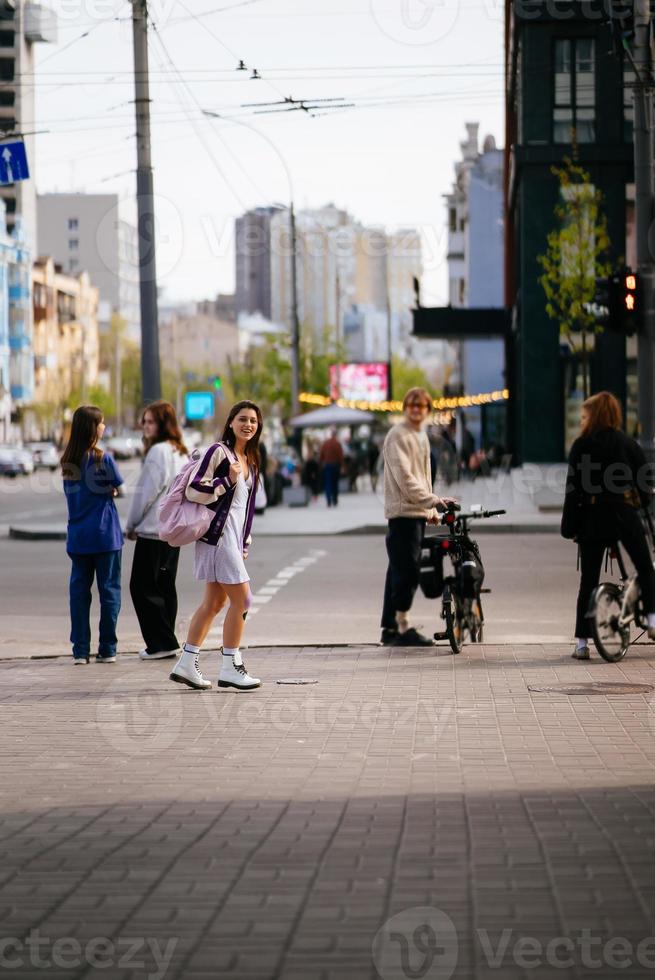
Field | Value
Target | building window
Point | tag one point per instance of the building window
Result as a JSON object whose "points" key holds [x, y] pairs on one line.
{"points": [[574, 104], [452, 219], [73, 264], [73, 224], [73, 243]]}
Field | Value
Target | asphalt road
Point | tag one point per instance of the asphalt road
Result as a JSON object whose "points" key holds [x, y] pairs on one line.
{"points": [[307, 590]]}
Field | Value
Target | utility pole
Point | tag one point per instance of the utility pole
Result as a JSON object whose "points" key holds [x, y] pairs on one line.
{"points": [[643, 150], [337, 362], [295, 322], [150, 375], [387, 300]]}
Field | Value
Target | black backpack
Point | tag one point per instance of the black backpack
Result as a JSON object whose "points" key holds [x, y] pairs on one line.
{"points": [[431, 571]]}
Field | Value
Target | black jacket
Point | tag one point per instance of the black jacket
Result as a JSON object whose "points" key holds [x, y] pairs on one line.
{"points": [[607, 470]]}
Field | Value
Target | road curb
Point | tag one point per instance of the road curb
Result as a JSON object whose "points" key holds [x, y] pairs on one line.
{"points": [[52, 533]]}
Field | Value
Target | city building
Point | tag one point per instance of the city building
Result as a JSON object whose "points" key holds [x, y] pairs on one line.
{"points": [[475, 259], [198, 343], [87, 232], [23, 24], [65, 342], [567, 93], [253, 261], [15, 345]]}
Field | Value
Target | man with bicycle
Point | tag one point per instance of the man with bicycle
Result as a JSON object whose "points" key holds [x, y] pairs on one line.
{"points": [[408, 504]]}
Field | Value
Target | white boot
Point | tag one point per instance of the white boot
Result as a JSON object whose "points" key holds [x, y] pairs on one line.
{"points": [[236, 675], [187, 671]]}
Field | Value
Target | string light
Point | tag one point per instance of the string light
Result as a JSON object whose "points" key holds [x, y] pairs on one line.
{"points": [[439, 404]]}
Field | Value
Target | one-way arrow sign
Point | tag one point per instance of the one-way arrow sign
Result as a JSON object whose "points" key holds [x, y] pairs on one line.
{"points": [[13, 163]]}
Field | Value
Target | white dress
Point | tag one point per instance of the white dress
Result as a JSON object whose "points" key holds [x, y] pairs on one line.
{"points": [[224, 562]]}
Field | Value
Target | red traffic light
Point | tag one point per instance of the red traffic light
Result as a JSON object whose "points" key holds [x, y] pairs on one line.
{"points": [[449, 518], [445, 545], [630, 281]]}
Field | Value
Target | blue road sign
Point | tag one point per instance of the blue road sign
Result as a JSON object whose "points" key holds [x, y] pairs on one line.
{"points": [[199, 405], [13, 163]]}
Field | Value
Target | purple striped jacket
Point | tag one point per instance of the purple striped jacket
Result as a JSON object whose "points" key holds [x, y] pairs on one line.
{"points": [[210, 484]]}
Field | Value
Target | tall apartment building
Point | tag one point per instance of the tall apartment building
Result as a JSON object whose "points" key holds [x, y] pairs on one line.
{"points": [[253, 261], [475, 268], [16, 361], [22, 25], [86, 232]]}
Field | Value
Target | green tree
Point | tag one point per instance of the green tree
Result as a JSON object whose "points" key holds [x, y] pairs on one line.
{"points": [[95, 395], [576, 255], [406, 375], [264, 375]]}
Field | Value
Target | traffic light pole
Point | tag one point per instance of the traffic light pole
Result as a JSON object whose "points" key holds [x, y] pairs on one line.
{"points": [[150, 374], [643, 162]]}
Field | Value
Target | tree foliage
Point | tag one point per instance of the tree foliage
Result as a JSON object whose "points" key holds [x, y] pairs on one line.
{"points": [[576, 255]]}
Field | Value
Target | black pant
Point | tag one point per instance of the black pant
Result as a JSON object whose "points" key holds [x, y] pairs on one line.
{"points": [[404, 540], [622, 524], [152, 587]]}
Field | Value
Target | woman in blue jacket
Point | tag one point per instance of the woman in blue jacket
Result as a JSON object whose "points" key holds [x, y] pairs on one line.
{"points": [[94, 540]]}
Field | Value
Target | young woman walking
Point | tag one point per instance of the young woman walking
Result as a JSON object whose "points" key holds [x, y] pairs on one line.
{"points": [[154, 566], [94, 539], [225, 479]]}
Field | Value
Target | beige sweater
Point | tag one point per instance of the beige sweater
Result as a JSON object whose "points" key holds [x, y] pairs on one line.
{"points": [[407, 476]]}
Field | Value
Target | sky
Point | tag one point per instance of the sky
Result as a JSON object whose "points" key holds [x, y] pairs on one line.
{"points": [[412, 73]]}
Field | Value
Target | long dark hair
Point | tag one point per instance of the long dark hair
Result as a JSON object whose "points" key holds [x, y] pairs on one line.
{"points": [[168, 428], [82, 441], [603, 412], [252, 446]]}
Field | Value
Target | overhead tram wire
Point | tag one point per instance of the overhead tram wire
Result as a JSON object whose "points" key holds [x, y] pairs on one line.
{"points": [[200, 135]]}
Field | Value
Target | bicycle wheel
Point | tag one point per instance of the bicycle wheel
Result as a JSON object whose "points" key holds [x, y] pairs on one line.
{"points": [[612, 641], [453, 628]]}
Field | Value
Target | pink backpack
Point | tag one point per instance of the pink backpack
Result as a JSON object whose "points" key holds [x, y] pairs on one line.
{"points": [[182, 521]]}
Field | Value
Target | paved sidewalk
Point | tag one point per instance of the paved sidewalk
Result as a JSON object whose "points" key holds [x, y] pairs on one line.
{"points": [[498, 832]]}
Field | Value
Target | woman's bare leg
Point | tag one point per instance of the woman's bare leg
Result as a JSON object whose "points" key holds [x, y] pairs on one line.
{"points": [[235, 621], [213, 601]]}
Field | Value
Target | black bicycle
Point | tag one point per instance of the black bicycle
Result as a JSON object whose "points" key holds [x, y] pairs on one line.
{"points": [[461, 605], [615, 607]]}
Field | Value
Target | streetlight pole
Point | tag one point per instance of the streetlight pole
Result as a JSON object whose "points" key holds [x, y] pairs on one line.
{"points": [[150, 373]]}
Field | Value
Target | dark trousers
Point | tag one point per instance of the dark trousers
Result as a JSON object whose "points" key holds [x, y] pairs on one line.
{"points": [[624, 525], [152, 587], [331, 473], [404, 540], [106, 567]]}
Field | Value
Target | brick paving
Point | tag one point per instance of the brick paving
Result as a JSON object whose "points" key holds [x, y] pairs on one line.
{"points": [[151, 831]]}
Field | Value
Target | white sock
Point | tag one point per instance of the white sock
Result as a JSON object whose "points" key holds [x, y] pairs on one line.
{"points": [[581, 642], [651, 621], [234, 653], [402, 621], [189, 648]]}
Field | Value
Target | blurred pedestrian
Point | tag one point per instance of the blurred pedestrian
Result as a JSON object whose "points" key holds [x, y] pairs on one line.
{"points": [[331, 459], [311, 473], [408, 504], [94, 539], [225, 479], [154, 566]]}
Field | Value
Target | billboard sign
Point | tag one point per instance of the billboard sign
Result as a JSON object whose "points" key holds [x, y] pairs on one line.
{"points": [[199, 405], [360, 382]]}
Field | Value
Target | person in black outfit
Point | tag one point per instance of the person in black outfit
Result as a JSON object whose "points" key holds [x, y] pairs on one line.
{"points": [[608, 482]]}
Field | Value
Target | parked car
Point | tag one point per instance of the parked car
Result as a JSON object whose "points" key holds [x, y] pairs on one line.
{"points": [[44, 455], [123, 447], [15, 461]]}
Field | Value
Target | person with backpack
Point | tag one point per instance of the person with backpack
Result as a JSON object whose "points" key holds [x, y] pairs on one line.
{"points": [[94, 539], [608, 482], [225, 481], [154, 566]]}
